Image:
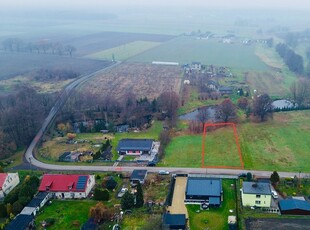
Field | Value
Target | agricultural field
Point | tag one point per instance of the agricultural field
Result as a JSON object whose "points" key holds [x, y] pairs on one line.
{"points": [[188, 49], [279, 144], [94, 43], [123, 52], [15, 64], [273, 82], [144, 80], [215, 218]]}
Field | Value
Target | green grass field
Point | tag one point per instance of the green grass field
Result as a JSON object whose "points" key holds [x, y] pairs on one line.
{"points": [[280, 144], [226, 153], [188, 49], [215, 218], [125, 51], [68, 214]]}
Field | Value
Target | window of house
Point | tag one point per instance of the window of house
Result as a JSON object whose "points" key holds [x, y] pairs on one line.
{"points": [[257, 202], [257, 196]]}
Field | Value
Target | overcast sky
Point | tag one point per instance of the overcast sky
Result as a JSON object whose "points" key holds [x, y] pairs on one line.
{"points": [[67, 4]]}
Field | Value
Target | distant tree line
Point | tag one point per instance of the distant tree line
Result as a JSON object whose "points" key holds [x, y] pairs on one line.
{"points": [[42, 46], [48, 75], [292, 60], [129, 110], [21, 116]]}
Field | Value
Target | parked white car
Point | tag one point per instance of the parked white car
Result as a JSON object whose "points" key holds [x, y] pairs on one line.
{"points": [[163, 172], [274, 194]]}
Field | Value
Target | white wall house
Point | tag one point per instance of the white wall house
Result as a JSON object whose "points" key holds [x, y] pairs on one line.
{"points": [[67, 186], [8, 181], [256, 194]]}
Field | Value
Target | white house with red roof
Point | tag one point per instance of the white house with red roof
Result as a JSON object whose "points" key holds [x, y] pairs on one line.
{"points": [[67, 186], [8, 181]]}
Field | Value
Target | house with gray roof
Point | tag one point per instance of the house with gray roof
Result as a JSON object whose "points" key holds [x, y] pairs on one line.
{"points": [[174, 221], [135, 147], [138, 176], [256, 194], [204, 190]]}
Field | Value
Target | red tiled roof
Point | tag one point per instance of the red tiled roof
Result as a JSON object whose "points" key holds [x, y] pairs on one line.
{"points": [[2, 179], [61, 183]]}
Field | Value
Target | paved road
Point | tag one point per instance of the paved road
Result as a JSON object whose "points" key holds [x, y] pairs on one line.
{"points": [[62, 99]]}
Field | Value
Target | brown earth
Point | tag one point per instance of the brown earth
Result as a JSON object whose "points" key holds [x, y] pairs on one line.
{"points": [[144, 80]]}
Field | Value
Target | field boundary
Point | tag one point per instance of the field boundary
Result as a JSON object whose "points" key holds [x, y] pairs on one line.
{"points": [[237, 144]]}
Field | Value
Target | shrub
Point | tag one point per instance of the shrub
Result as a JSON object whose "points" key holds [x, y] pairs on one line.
{"points": [[110, 183]]}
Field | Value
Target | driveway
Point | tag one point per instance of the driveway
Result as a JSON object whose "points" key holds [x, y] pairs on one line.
{"points": [[178, 206]]}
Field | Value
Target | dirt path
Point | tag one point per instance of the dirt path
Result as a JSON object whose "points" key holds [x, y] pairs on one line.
{"points": [[178, 206]]}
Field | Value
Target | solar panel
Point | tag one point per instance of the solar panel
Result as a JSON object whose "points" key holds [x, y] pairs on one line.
{"points": [[81, 182]]}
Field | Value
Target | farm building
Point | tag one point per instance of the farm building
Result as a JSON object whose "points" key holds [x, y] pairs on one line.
{"points": [[8, 181], [138, 176], [135, 146], [204, 190], [294, 207], [67, 186], [21, 222], [174, 221], [256, 194]]}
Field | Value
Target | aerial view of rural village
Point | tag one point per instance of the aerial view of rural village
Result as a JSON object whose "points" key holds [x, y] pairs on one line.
{"points": [[154, 115]]}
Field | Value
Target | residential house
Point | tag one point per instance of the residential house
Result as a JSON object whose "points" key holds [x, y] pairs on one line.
{"points": [[67, 186], [203, 190], [36, 203], [122, 128], [196, 66], [256, 194], [138, 176], [21, 222], [225, 90], [8, 181], [212, 85], [294, 207], [135, 147], [174, 221]]}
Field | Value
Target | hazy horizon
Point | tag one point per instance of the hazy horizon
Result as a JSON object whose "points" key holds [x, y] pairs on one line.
{"points": [[94, 4]]}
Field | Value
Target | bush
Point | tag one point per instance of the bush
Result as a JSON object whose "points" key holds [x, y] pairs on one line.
{"points": [[110, 183], [100, 194], [49, 222], [17, 208], [3, 213]]}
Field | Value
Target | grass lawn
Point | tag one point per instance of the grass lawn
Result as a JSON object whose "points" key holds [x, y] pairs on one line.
{"points": [[68, 214], [125, 51], [215, 218], [187, 49], [280, 144], [221, 141]]}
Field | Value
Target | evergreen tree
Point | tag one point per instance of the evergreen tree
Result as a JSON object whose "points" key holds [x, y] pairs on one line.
{"points": [[275, 178], [139, 196], [127, 201]]}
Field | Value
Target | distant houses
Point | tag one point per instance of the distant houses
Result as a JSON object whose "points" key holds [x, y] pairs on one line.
{"points": [[67, 186], [256, 194], [8, 181]]}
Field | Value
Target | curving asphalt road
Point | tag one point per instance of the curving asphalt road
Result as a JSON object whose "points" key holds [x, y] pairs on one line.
{"points": [[62, 99]]}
